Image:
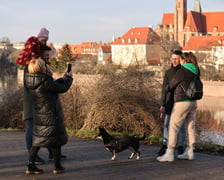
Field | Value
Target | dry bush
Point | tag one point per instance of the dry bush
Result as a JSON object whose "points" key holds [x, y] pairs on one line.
{"points": [[11, 109], [74, 107], [75, 102], [95, 69], [124, 102]]}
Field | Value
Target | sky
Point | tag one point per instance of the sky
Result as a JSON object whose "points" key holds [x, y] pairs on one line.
{"points": [[77, 21]]}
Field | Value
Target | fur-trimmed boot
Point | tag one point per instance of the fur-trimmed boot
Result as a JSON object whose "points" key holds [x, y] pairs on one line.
{"points": [[167, 157], [188, 154]]}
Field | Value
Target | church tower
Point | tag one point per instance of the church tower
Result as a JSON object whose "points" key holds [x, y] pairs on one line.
{"points": [[197, 6], [180, 15]]}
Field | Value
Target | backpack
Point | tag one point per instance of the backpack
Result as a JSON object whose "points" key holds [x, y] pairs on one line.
{"points": [[195, 89]]}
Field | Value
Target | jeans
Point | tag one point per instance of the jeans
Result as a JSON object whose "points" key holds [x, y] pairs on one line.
{"points": [[181, 136], [29, 133]]}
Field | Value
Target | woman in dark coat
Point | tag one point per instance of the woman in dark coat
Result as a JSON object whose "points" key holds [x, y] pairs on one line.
{"points": [[49, 129]]}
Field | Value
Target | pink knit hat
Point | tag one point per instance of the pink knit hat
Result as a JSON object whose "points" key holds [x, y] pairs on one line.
{"points": [[43, 33]]}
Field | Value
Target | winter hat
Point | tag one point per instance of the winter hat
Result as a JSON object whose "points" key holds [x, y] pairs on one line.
{"points": [[43, 33]]}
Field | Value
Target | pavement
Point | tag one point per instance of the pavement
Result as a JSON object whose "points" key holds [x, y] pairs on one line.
{"points": [[88, 160]]}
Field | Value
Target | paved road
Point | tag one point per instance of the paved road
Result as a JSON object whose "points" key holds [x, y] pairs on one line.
{"points": [[88, 160]]}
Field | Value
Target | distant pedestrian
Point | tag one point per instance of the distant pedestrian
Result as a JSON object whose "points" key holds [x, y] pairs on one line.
{"points": [[48, 121]]}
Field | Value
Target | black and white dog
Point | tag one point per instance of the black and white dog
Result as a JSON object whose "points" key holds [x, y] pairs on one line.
{"points": [[115, 145]]}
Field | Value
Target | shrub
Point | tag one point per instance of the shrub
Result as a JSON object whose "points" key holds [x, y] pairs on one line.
{"points": [[123, 102], [11, 109]]}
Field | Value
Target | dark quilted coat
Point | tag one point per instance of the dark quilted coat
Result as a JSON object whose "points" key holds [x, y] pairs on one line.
{"points": [[49, 129]]}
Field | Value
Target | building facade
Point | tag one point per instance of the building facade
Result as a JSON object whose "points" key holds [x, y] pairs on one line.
{"points": [[136, 47], [181, 25]]}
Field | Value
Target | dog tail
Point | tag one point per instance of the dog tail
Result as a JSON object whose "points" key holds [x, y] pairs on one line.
{"points": [[143, 137]]}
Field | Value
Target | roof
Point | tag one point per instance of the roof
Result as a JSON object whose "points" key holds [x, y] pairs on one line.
{"points": [[199, 22], [87, 51], [138, 35], [214, 19], [106, 49], [195, 21], [84, 47], [203, 43], [108, 58], [80, 57], [168, 19]]}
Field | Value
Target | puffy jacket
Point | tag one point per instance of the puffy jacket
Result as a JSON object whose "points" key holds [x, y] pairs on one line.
{"points": [[167, 97], [27, 100], [182, 80], [49, 129]]}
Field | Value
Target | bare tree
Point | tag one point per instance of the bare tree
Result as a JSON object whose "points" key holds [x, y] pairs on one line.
{"points": [[4, 40]]}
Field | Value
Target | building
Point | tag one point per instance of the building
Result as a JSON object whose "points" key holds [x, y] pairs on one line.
{"points": [[136, 47], [104, 54], [18, 45], [181, 25], [85, 48], [90, 52], [5, 46], [218, 56], [209, 48]]}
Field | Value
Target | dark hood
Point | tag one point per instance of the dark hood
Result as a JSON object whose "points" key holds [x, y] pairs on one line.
{"points": [[33, 81]]}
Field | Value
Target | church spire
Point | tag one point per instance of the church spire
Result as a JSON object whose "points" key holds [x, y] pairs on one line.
{"points": [[180, 16], [197, 6]]}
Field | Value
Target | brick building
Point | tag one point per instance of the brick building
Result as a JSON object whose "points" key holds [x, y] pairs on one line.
{"points": [[181, 25]]}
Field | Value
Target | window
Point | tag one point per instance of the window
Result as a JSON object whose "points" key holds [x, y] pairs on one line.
{"points": [[215, 29]]}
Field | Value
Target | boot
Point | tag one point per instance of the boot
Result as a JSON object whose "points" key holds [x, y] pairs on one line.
{"points": [[162, 150], [33, 169], [58, 170], [180, 150], [188, 154], [167, 157]]}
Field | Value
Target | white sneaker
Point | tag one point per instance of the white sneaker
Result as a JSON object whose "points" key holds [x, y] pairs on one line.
{"points": [[188, 154], [167, 157]]}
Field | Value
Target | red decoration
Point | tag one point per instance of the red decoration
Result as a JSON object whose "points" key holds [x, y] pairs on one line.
{"points": [[30, 51]]}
